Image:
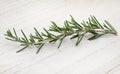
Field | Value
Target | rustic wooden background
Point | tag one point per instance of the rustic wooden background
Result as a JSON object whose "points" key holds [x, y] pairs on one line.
{"points": [[101, 56]]}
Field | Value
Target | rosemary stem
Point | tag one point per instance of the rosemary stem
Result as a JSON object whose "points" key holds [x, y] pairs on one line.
{"points": [[76, 32]]}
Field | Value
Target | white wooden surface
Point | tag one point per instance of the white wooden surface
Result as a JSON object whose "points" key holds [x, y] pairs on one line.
{"points": [[101, 56]]}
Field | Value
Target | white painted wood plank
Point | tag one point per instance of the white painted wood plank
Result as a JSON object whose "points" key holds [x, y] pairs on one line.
{"points": [[90, 57]]}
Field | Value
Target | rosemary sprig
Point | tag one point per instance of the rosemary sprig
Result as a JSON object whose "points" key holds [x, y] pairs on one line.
{"points": [[71, 28]]}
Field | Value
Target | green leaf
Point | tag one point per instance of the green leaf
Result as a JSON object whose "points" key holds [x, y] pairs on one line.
{"points": [[110, 26], [54, 27], [38, 34], [32, 38], [94, 19], [107, 27], [84, 25], [10, 39], [53, 41], [22, 49], [80, 37], [25, 38], [74, 36], [39, 48], [75, 23], [9, 34], [95, 36], [48, 34], [61, 40], [15, 33], [68, 26], [36, 37], [89, 25]]}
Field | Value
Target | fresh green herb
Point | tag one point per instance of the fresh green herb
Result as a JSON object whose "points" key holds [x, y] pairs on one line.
{"points": [[70, 28]]}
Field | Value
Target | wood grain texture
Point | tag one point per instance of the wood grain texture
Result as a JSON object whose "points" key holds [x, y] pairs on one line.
{"points": [[101, 56]]}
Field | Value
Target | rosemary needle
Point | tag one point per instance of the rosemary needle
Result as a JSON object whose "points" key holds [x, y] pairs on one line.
{"points": [[71, 28]]}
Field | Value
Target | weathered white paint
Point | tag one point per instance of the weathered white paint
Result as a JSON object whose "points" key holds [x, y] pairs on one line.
{"points": [[101, 56]]}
